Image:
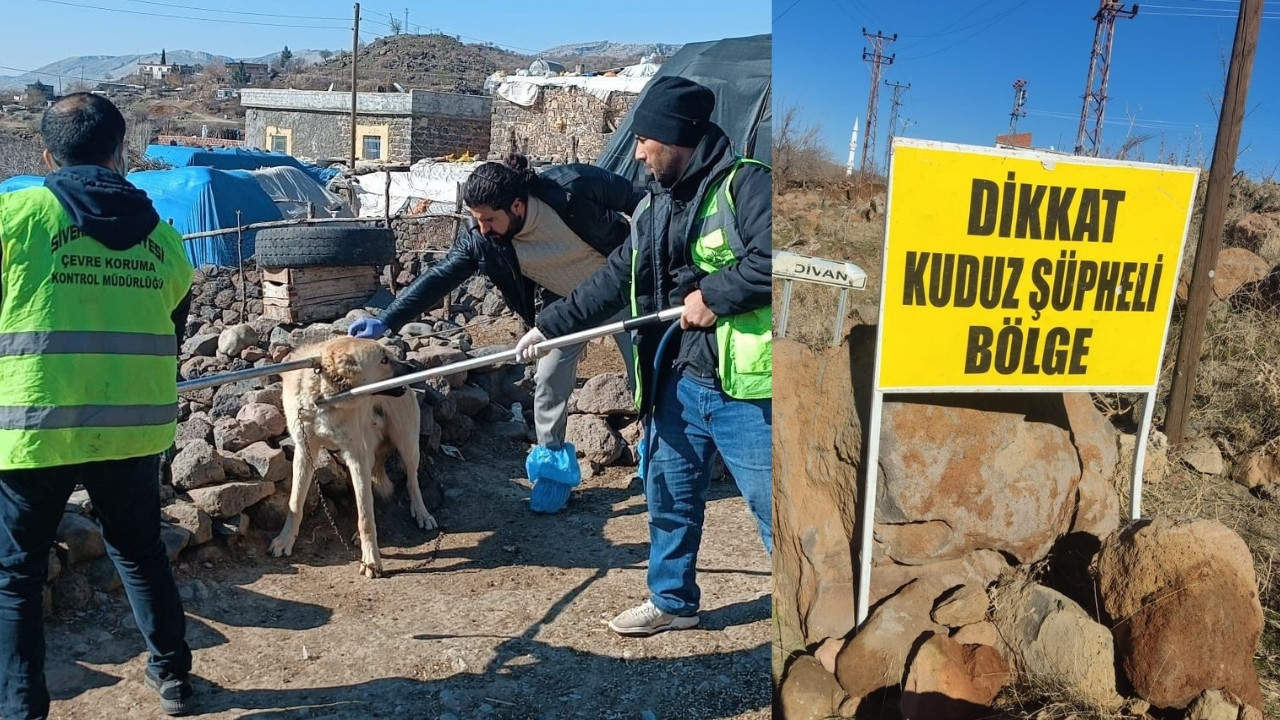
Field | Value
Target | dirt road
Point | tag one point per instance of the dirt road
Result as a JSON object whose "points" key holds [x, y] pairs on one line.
{"points": [[502, 619]]}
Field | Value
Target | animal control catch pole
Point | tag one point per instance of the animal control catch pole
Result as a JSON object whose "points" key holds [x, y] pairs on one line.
{"points": [[499, 358]]}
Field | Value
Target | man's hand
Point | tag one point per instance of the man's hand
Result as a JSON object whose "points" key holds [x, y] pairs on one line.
{"points": [[367, 328], [696, 313], [527, 349]]}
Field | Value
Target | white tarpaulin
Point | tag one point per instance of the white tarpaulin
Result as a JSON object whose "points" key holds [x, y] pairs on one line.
{"points": [[523, 90], [426, 180]]}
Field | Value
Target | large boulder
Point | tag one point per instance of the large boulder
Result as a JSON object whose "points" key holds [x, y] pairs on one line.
{"points": [[197, 465], [231, 499], [1236, 267], [992, 471], [1096, 440], [80, 538], [235, 339], [594, 440], [876, 658], [952, 681], [1044, 634], [268, 417], [605, 394], [1184, 605], [809, 692], [1260, 467], [817, 447]]}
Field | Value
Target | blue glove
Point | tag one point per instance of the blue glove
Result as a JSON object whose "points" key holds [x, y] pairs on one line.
{"points": [[367, 328]]}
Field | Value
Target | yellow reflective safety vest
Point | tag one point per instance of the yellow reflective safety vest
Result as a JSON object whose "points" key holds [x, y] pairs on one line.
{"points": [[744, 342], [88, 353]]}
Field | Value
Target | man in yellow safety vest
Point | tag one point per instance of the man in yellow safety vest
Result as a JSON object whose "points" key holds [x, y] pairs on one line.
{"points": [[94, 291], [700, 238]]}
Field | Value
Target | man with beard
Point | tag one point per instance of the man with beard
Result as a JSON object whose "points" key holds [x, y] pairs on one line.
{"points": [[535, 236], [700, 238]]}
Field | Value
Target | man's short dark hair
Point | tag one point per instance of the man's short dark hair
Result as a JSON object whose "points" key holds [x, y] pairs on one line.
{"points": [[82, 129]]}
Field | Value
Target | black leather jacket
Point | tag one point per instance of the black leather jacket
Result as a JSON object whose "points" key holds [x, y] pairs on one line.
{"points": [[592, 201]]}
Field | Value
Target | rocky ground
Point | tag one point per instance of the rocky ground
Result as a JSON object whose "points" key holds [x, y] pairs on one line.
{"points": [[500, 615]]}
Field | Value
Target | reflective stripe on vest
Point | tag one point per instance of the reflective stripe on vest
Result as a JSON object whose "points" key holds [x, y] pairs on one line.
{"points": [[88, 356], [744, 342], [60, 342], [61, 418]]}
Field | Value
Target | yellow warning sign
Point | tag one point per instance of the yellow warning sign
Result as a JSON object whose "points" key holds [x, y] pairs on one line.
{"points": [[1012, 269]]}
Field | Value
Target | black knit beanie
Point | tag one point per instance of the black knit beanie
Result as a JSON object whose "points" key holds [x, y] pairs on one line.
{"points": [[674, 111]]}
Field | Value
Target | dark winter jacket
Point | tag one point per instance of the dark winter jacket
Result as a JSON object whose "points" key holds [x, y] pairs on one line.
{"points": [[665, 272], [591, 201], [111, 210]]}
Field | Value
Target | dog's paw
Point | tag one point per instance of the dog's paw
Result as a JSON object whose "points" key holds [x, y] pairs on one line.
{"points": [[425, 519], [371, 570], [281, 546]]}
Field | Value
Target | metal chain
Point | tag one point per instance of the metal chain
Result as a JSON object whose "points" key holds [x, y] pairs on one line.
{"points": [[325, 506], [420, 565]]}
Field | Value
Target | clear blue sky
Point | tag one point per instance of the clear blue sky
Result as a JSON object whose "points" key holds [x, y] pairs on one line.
{"points": [[961, 58], [43, 31]]}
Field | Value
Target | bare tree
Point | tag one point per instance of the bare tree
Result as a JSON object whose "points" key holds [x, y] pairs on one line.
{"points": [[799, 156]]}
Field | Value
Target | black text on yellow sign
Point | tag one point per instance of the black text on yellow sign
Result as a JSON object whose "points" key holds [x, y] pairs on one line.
{"points": [[1006, 270]]}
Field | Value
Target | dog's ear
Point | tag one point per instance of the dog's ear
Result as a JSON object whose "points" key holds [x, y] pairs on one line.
{"points": [[339, 368]]}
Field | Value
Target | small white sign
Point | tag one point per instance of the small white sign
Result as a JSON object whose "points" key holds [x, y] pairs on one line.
{"points": [[839, 273]]}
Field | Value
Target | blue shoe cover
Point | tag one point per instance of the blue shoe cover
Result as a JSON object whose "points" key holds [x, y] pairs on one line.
{"points": [[553, 474]]}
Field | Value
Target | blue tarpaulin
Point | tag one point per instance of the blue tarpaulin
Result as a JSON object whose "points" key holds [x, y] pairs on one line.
{"points": [[197, 199], [234, 159]]}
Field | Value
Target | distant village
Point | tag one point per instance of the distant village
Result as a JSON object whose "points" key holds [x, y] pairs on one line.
{"points": [[547, 111]]}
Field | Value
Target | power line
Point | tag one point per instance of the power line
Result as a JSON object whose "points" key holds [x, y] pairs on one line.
{"points": [[989, 23], [1227, 16], [53, 74], [784, 12], [188, 17], [232, 12]]}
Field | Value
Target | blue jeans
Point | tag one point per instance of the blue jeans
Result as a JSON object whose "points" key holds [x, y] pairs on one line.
{"points": [[691, 420], [126, 498]]}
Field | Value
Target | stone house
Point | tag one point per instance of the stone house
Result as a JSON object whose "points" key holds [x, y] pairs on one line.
{"points": [[395, 128], [560, 119]]}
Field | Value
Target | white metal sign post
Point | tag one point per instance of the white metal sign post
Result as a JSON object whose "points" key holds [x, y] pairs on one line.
{"points": [[836, 273], [1010, 270]]}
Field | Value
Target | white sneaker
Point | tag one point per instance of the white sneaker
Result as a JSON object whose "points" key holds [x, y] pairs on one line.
{"points": [[647, 619]]}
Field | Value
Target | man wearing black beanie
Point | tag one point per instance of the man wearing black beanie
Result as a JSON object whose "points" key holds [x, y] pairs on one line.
{"points": [[700, 238]]}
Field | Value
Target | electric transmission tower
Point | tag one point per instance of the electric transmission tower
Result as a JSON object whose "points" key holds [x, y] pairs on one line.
{"points": [[894, 103], [1095, 100], [878, 60], [1019, 101]]}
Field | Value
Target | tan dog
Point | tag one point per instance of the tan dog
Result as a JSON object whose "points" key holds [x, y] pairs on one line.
{"points": [[363, 430]]}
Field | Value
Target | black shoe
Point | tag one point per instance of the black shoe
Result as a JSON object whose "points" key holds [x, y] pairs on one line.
{"points": [[175, 694]]}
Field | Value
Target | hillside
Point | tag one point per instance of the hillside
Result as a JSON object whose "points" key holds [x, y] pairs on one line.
{"points": [[96, 68], [623, 53], [430, 62]]}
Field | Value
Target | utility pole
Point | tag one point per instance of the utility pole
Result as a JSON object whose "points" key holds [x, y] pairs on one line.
{"points": [[878, 60], [894, 103], [1019, 101], [1095, 101], [406, 21], [1215, 209], [355, 52]]}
